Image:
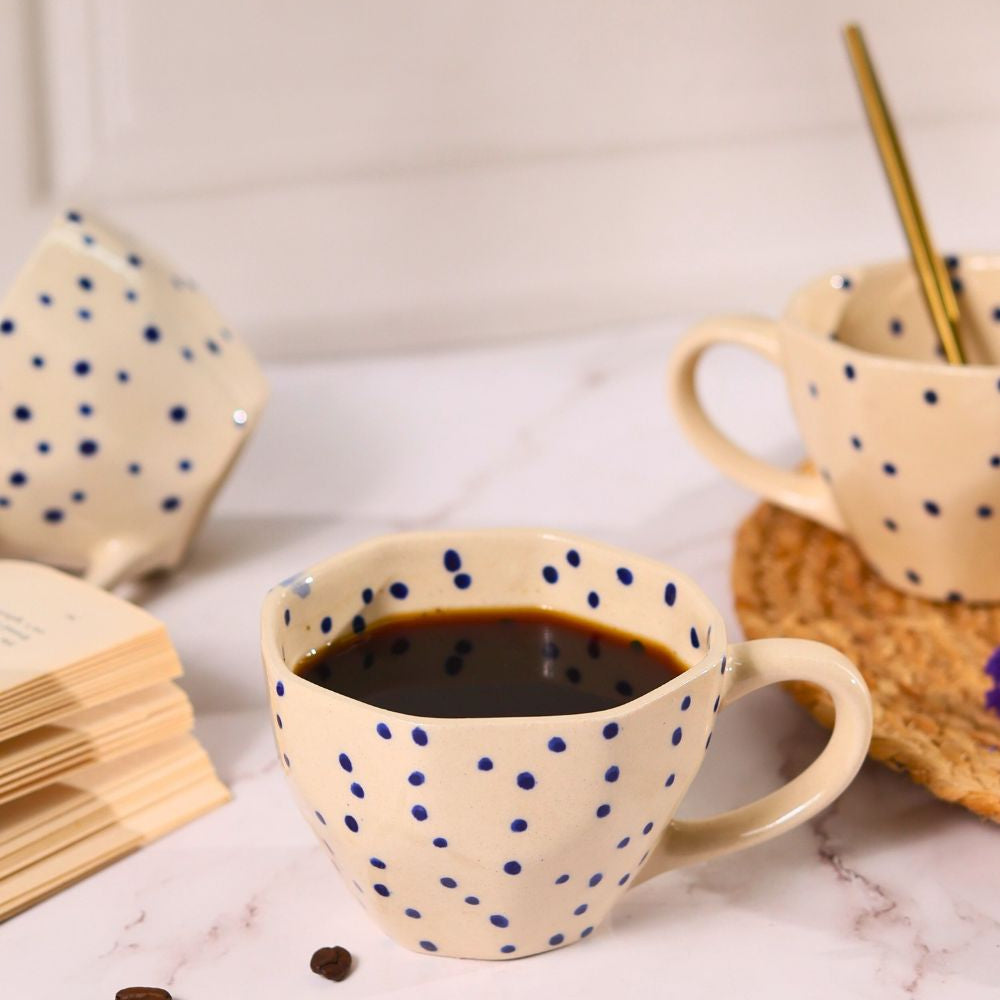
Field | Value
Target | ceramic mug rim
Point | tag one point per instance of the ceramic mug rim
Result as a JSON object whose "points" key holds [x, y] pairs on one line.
{"points": [[813, 288], [275, 661]]}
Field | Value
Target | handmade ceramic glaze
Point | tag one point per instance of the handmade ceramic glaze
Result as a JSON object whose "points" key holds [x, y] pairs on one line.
{"points": [[523, 833], [905, 448], [124, 401]]}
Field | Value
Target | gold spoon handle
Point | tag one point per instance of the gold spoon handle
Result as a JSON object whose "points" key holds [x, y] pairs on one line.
{"points": [[934, 278]]}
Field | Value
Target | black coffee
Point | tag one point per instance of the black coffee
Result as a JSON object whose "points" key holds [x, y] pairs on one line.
{"points": [[490, 663]]}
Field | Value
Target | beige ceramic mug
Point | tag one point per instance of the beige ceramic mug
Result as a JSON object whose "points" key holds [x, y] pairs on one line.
{"points": [[502, 837], [905, 448]]}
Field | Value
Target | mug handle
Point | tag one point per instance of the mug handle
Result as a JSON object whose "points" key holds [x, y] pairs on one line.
{"points": [[113, 561], [754, 665], [803, 493]]}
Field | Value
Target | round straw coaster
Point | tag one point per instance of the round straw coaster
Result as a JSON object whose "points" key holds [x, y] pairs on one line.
{"points": [[933, 669]]}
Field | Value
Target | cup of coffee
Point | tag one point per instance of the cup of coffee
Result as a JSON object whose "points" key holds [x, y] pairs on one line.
{"points": [[125, 401], [905, 448], [490, 731]]}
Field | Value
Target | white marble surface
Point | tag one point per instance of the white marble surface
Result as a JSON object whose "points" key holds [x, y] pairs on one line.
{"points": [[888, 894]]}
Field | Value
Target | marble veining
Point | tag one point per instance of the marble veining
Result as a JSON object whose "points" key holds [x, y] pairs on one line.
{"points": [[889, 894]]}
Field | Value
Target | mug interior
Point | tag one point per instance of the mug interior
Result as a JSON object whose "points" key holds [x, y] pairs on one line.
{"points": [[881, 310], [422, 575]]}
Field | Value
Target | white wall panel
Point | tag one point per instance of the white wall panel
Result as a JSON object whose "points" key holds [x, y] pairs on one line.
{"points": [[344, 175]]}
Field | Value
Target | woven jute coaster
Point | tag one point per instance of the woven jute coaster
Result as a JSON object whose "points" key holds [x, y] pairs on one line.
{"points": [[925, 663]]}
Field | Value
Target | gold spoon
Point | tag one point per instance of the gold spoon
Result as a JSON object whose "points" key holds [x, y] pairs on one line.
{"points": [[934, 278]]}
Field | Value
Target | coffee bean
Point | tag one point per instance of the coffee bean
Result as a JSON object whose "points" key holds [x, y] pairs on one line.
{"points": [[142, 993], [331, 963]]}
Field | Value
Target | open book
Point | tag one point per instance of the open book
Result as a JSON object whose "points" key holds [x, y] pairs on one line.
{"points": [[95, 753]]}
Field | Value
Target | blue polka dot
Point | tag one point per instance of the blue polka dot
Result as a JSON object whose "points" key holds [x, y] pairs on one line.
{"points": [[557, 744], [984, 511], [88, 447], [326, 625], [624, 878], [508, 948], [932, 508], [419, 813], [888, 468], [44, 447], [556, 939], [670, 780], [930, 397], [279, 689], [85, 283], [416, 778], [358, 624], [573, 558], [284, 757], [890, 524], [610, 731], [526, 780], [88, 239], [320, 817], [85, 409], [381, 889], [512, 868], [519, 825], [412, 913], [603, 810], [73, 216], [896, 327], [485, 764], [82, 367], [624, 689], [357, 791], [377, 863], [53, 515], [472, 900], [351, 823], [715, 707], [22, 412], [131, 294], [44, 299], [187, 354], [383, 730], [647, 828], [399, 590], [367, 595], [78, 496], [134, 468], [449, 883], [134, 259], [439, 842], [38, 361], [586, 932], [277, 719], [83, 314], [612, 773], [676, 737], [624, 842], [625, 575], [178, 414], [562, 880], [428, 946], [580, 910], [593, 599], [813, 390], [695, 641], [855, 442], [686, 703], [499, 920], [849, 371], [573, 675], [550, 573], [18, 478], [419, 736], [152, 334], [595, 879], [452, 561], [212, 346], [462, 581], [170, 503]]}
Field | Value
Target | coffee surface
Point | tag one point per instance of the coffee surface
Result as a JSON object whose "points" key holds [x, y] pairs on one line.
{"points": [[490, 662]]}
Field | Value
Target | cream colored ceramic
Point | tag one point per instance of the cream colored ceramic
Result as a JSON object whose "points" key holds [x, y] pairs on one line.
{"points": [[124, 402], [419, 814], [905, 448]]}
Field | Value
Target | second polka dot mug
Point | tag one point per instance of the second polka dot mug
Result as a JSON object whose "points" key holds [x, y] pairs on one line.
{"points": [[125, 400], [905, 448], [521, 834]]}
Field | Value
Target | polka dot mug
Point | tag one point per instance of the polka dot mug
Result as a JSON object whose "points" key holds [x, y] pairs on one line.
{"points": [[521, 834], [905, 448], [124, 403]]}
